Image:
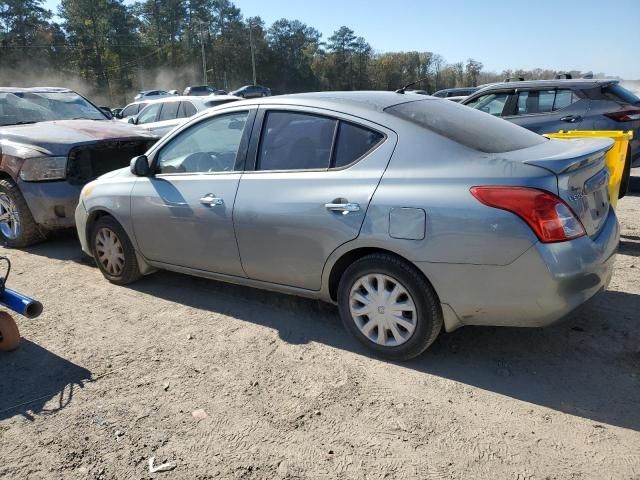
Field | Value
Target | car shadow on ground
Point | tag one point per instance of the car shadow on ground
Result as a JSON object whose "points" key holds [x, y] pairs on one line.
{"points": [[61, 245], [31, 376], [634, 183], [588, 365], [629, 245]]}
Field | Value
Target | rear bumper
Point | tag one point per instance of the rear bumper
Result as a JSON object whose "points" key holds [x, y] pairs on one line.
{"points": [[52, 204], [540, 287]]}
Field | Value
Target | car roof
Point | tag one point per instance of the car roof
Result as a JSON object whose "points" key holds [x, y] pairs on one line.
{"points": [[35, 90], [457, 89], [558, 82], [190, 98], [371, 101]]}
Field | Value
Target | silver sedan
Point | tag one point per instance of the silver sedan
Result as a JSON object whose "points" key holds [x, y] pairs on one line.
{"points": [[413, 214]]}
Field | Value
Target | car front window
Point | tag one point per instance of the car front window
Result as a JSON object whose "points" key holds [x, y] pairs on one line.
{"points": [[492, 103], [32, 107], [149, 114], [209, 146]]}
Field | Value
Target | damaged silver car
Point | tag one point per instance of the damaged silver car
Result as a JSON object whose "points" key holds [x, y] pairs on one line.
{"points": [[52, 142]]}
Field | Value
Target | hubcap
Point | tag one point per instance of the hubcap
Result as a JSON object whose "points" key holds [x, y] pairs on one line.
{"points": [[382, 309], [109, 251], [9, 218]]}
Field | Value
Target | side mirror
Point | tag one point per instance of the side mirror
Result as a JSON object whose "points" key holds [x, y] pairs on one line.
{"points": [[140, 166], [132, 120]]}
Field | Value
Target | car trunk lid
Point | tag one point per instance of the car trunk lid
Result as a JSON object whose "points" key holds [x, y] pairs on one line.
{"points": [[582, 178]]}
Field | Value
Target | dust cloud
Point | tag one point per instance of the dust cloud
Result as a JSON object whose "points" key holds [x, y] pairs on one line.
{"points": [[115, 95]]}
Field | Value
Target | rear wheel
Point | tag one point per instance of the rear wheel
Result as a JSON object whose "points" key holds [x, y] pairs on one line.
{"points": [[113, 252], [17, 226], [626, 176], [9, 334], [389, 306]]}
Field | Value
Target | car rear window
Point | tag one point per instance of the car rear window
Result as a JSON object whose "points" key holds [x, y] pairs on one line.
{"points": [[353, 143], [186, 110], [618, 92], [466, 126]]}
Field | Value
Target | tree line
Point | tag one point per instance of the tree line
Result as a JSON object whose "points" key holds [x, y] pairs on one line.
{"points": [[113, 50]]}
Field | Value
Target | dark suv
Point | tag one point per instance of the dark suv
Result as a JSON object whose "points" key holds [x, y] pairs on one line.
{"points": [[455, 92], [547, 106], [52, 142], [252, 91], [202, 91]]}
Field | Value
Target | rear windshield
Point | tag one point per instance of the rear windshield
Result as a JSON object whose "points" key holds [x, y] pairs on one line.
{"points": [[467, 126], [621, 93]]}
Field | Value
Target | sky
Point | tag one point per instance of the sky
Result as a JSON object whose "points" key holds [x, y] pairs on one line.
{"points": [[561, 35]]}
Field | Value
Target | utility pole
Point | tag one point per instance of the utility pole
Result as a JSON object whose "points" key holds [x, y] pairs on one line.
{"points": [[253, 55], [204, 58]]}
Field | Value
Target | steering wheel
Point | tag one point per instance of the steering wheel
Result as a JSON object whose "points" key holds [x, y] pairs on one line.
{"points": [[203, 162]]}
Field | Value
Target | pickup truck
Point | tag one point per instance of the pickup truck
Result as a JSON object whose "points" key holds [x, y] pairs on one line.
{"points": [[52, 142]]}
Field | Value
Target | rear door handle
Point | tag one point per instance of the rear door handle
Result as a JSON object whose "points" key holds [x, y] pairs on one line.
{"points": [[343, 208], [571, 118], [211, 200]]}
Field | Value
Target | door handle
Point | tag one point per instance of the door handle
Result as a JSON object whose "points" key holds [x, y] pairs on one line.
{"points": [[211, 200], [343, 208], [571, 118]]}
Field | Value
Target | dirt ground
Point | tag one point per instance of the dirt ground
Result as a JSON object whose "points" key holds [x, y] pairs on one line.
{"points": [[110, 376]]}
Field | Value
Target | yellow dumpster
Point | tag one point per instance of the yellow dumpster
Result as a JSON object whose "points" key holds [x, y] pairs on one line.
{"points": [[616, 157]]}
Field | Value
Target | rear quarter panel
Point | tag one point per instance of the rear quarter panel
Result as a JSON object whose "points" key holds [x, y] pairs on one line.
{"points": [[432, 173]]}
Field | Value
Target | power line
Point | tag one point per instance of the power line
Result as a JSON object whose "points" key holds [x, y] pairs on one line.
{"points": [[51, 45]]}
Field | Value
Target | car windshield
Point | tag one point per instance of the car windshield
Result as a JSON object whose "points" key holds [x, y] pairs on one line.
{"points": [[467, 126], [31, 107]]}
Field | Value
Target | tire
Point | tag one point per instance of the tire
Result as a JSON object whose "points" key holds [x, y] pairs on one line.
{"points": [[22, 230], [9, 334], [426, 318], [626, 176], [113, 252]]}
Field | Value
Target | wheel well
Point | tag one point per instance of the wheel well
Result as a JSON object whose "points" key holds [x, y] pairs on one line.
{"points": [[93, 218], [348, 258]]}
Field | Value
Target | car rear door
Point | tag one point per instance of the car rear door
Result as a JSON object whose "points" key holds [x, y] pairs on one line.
{"points": [[182, 215], [311, 176], [547, 110], [166, 119]]}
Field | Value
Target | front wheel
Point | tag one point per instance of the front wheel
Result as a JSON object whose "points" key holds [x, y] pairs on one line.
{"points": [[17, 226], [113, 252], [389, 306]]}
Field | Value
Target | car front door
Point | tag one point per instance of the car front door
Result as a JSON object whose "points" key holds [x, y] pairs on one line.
{"points": [[548, 110], [313, 176], [182, 215]]}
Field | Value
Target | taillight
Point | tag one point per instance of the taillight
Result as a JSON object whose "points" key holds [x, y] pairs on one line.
{"points": [[549, 217], [625, 115]]}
